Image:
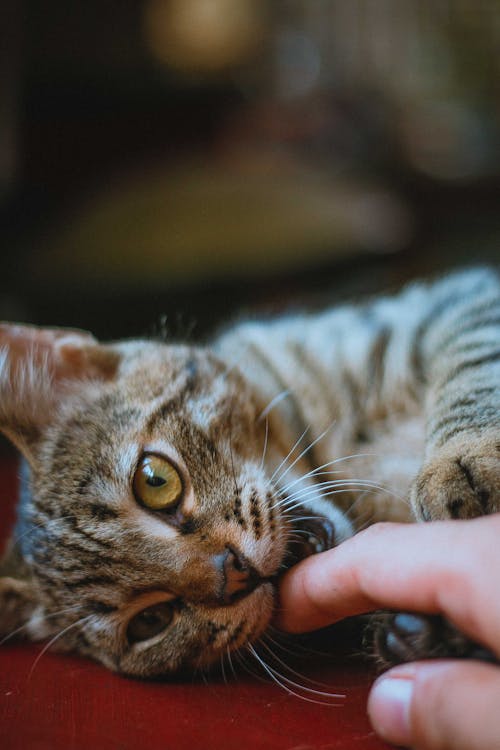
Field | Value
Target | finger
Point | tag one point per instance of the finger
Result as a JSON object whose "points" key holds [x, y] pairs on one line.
{"points": [[434, 568], [444, 704]]}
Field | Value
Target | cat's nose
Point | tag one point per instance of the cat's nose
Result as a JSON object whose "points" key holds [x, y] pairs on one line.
{"points": [[240, 577]]}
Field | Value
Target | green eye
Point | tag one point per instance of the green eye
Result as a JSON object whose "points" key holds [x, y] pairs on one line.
{"points": [[150, 622], [157, 484]]}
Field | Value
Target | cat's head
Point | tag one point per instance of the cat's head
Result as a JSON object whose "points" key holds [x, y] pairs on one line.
{"points": [[149, 533]]}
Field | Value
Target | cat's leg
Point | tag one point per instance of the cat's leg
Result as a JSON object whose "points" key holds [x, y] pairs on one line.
{"points": [[460, 477], [459, 352]]}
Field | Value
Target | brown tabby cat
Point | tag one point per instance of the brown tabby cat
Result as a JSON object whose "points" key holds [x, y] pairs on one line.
{"points": [[169, 485]]}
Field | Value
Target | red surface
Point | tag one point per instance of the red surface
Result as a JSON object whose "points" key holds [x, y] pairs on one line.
{"points": [[64, 702]]}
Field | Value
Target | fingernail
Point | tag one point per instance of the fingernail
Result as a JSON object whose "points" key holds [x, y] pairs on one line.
{"points": [[389, 709]]}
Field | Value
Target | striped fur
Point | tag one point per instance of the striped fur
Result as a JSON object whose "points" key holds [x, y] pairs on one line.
{"points": [[384, 410]]}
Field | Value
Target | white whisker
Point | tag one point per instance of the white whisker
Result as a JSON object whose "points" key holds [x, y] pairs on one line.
{"points": [[230, 662], [44, 650], [223, 671], [26, 625], [244, 665], [41, 525], [304, 452], [295, 445], [264, 450], [266, 636], [314, 471], [287, 684], [339, 483], [273, 402]]}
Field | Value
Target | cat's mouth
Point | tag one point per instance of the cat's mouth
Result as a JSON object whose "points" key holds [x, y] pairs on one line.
{"points": [[308, 536]]}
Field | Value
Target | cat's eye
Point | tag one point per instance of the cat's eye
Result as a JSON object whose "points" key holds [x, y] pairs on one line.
{"points": [[157, 484], [150, 622]]}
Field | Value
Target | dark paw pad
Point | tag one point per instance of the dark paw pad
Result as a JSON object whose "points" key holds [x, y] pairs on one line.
{"points": [[404, 637]]}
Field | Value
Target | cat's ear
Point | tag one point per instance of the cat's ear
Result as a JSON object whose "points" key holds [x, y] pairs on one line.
{"points": [[38, 366]]}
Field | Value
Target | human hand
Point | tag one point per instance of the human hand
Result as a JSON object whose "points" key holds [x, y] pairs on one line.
{"points": [[449, 568]]}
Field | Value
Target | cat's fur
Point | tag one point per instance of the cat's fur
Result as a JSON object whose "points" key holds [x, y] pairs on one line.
{"points": [[392, 404]]}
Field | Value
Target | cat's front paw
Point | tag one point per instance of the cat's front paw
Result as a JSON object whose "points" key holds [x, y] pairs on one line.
{"points": [[462, 480], [402, 637]]}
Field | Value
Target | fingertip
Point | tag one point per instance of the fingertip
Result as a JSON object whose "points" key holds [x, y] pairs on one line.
{"points": [[389, 707], [436, 704], [289, 610]]}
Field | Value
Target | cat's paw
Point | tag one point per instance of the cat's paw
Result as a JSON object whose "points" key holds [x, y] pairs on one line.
{"points": [[462, 480], [401, 637]]}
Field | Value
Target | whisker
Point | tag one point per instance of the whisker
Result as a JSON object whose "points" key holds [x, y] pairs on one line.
{"points": [[300, 649], [266, 636], [265, 445], [40, 525], [78, 623], [295, 445], [273, 402], [230, 662], [243, 664], [344, 483], [7, 637], [314, 471], [204, 676], [223, 671], [286, 683], [366, 523], [285, 500], [350, 511], [305, 451], [294, 518], [327, 484], [232, 456], [290, 504], [275, 679], [278, 643]]}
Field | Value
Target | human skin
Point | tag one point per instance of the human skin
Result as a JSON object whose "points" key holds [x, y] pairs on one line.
{"points": [[445, 567]]}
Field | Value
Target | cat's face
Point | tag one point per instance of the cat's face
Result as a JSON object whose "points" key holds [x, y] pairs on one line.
{"points": [[152, 524]]}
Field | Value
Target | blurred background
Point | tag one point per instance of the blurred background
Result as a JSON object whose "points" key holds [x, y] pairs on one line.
{"points": [[167, 163]]}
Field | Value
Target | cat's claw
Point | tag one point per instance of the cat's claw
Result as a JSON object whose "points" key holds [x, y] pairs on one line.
{"points": [[310, 536]]}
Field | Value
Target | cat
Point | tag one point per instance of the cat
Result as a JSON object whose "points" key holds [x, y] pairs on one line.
{"points": [[166, 486]]}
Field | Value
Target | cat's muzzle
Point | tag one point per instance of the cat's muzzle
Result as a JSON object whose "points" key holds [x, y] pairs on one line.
{"points": [[240, 577], [308, 536]]}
